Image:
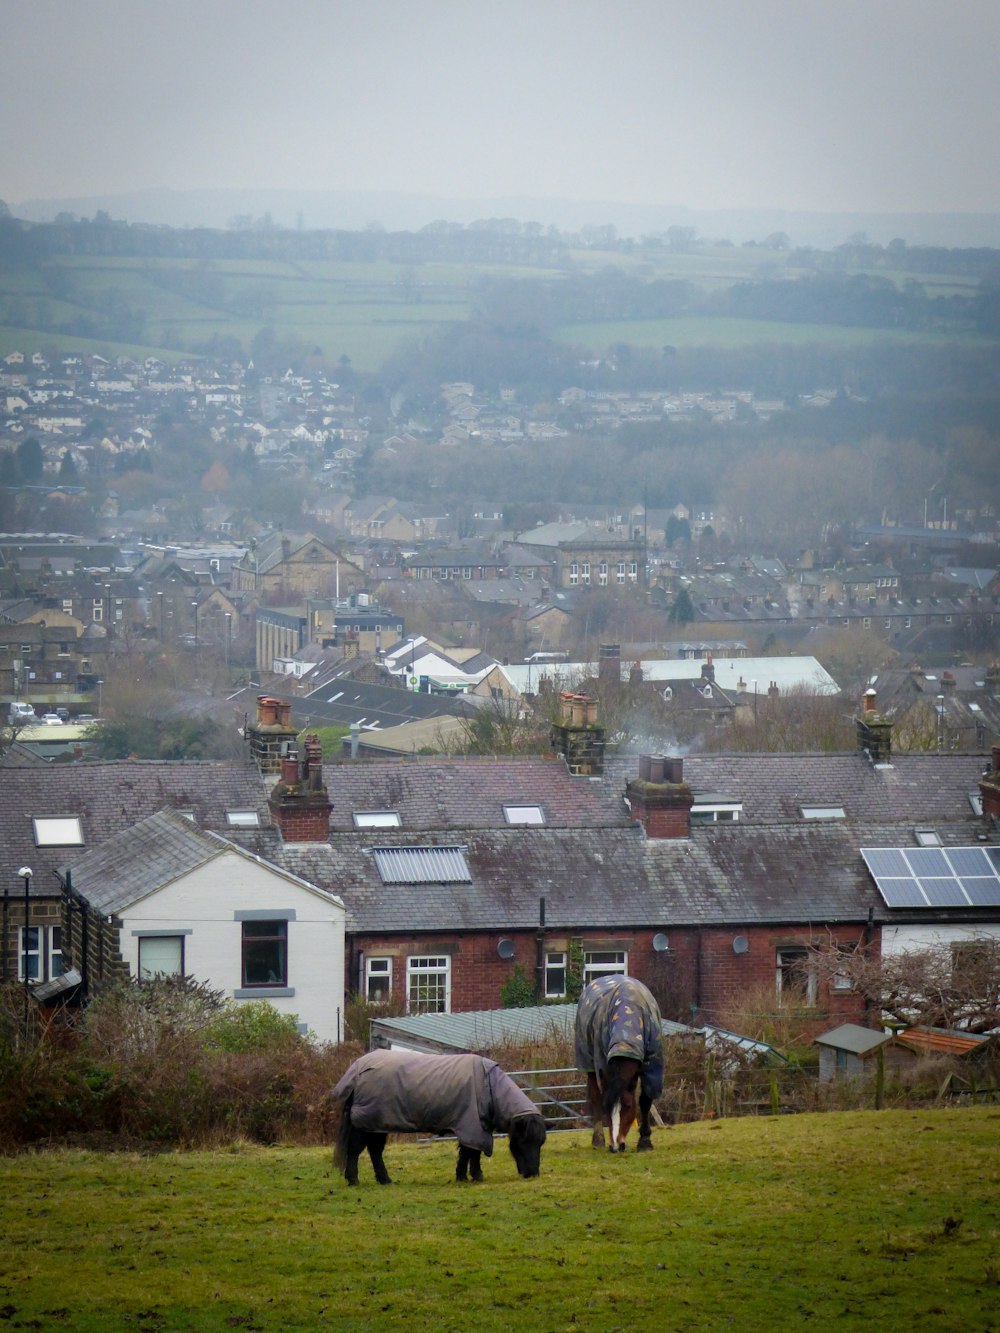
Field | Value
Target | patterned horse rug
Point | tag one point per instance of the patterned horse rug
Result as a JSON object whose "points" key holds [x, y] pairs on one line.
{"points": [[402, 1092], [617, 1017]]}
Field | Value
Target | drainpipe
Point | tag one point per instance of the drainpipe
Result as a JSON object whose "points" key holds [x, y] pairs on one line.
{"points": [[540, 953]]}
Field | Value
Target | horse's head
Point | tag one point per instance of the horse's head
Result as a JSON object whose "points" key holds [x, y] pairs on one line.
{"points": [[620, 1098], [526, 1136]]}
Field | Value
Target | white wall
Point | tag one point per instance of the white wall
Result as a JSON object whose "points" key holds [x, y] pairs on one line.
{"points": [[906, 939], [204, 902]]}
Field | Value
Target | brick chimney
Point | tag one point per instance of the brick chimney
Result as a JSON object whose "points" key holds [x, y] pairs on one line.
{"points": [[874, 732], [609, 665], [271, 734], [299, 802], [660, 799], [989, 787], [577, 737]]}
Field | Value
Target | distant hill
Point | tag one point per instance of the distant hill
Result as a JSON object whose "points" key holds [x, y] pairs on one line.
{"points": [[394, 211]]}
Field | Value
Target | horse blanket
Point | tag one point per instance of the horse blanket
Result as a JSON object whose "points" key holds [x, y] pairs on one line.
{"points": [[403, 1092], [617, 1016]]}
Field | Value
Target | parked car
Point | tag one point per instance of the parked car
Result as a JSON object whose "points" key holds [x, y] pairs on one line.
{"points": [[51, 720], [63, 713], [21, 712]]}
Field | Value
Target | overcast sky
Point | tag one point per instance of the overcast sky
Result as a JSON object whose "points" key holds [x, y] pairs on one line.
{"points": [[826, 105]]}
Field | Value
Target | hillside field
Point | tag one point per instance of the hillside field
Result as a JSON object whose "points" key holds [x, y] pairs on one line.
{"points": [[362, 310], [846, 1220]]}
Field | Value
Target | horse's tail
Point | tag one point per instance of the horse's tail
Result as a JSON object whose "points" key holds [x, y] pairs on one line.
{"points": [[341, 1125]]}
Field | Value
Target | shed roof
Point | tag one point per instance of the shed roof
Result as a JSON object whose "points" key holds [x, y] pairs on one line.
{"points": [[851, 1037]]}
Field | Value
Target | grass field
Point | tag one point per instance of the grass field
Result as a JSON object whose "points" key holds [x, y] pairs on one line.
{"points": [[703, 331], [886, 1220]]}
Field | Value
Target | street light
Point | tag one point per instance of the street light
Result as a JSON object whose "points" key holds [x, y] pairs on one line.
{"points": [[159, 596], [107, 594], [194, 609], [99, 709], [229, 632], [25, 873]]}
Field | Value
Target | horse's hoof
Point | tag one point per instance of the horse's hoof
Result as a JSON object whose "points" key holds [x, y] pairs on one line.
{"points": [[645, 1145], [621, 1147]]}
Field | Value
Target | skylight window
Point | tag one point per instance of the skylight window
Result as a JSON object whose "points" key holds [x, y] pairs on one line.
{"points": [[376, 819], [242, 819], [716, 812], [927, 837], [524, 814], [62, 831], [822, 812]]}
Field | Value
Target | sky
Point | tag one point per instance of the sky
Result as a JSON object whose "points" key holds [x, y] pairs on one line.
{"points": [[810, 105]]}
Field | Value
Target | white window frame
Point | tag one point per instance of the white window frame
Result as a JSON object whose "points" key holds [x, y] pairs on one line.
{"points": [[604, 963], [556, 962], [376, 819], [45, 958], [524, 814], [150, 943], [424, 971], [378, 970]]}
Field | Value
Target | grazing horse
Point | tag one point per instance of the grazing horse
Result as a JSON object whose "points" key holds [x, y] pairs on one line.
{"points": [[403, 1092], [619, 1046]]}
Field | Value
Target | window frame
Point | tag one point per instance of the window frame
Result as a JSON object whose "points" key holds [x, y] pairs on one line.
{"points": [[556, 967], [159, 940], [378, 967], [435, 969], [249, 936], [614, 964], [788, 959]]}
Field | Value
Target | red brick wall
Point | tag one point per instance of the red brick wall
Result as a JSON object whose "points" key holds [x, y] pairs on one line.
{"points": [[695, 980]]}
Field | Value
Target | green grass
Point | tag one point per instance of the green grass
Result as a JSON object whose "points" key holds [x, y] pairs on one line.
{"points": [[849, 1220]]}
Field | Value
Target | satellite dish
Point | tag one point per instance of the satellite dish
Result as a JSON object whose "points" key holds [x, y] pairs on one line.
{"points": [[740, 944], [506, 948], [660, 943]]}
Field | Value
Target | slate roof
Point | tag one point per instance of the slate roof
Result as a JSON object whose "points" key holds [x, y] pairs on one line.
{"points": [[109, 797], [917, 788], [449, 794], [144, 858]]}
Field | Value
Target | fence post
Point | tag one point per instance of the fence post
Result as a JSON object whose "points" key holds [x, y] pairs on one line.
{"points": [[775, 1100], [879, 1078]]}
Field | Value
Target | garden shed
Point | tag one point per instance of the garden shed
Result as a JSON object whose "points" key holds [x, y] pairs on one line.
{"points": [[846, 1051]]}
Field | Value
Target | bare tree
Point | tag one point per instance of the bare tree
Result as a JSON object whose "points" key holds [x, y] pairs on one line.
{"points": [[954, 985]]}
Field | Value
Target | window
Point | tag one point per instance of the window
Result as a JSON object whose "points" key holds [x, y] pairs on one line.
{"points": [[44, 948], [428, 985], [927, 837], [265, 953], [633, 570], [524, 814], [376, 819], [555, 975], [574, 572], [58, 831], [620, 571], [822, 812], [242, 819], [795, 979], [841, 981], [378, 980], [161, 956], [604, 963]]}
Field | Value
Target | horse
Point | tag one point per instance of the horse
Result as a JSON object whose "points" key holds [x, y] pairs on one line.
{"points": [[404, 1092], [618, 1045]]}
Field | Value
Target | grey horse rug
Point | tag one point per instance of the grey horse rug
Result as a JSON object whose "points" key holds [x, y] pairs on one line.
{"points": [[403, 1092], [617, 1016]]}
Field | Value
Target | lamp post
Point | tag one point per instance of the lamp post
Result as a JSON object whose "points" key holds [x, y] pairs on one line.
{"points": [[25, 873], [159, 598], [107, 614], [229, 632], [754, 684], [99, 709], [194, 612]]}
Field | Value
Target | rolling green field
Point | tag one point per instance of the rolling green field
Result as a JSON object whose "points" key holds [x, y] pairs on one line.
{"points": [[886, 1220], [365, 310]]}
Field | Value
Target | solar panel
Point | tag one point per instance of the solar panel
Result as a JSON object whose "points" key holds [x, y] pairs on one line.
{"points": [[936, 876], [421, 865]]}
